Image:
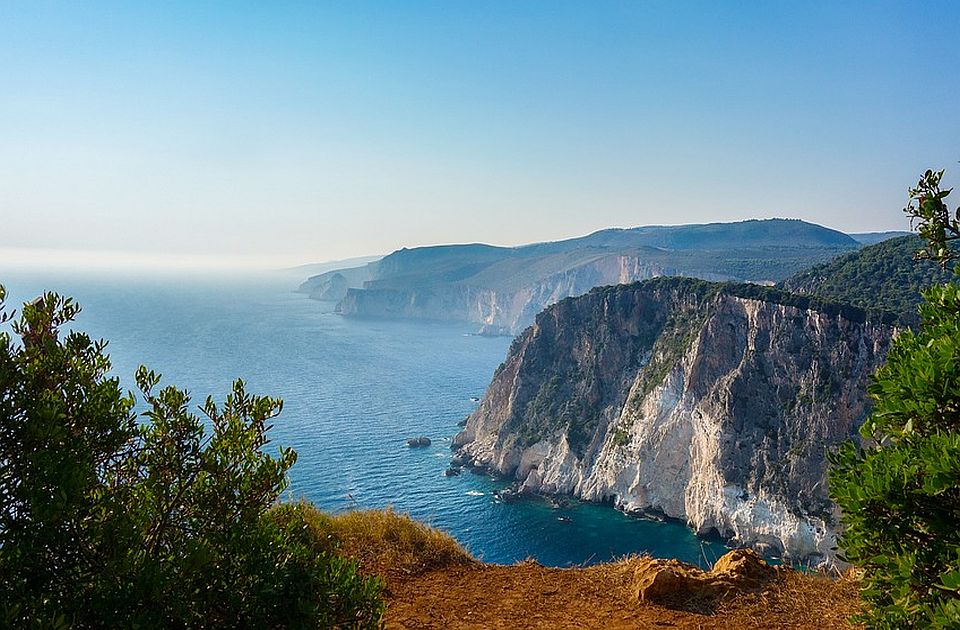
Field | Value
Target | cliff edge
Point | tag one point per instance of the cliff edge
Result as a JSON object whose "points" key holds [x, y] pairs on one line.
{"points": [[711, 403]]}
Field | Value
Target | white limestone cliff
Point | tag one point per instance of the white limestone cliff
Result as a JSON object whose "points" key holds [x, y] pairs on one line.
{"points": [[685, 399]]}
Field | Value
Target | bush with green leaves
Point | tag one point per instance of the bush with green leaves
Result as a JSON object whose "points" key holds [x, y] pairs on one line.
{"points": [[113, 518], [900, 490]]}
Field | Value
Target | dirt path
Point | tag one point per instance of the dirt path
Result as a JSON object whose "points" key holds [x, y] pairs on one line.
{"points": [[530, 596]]}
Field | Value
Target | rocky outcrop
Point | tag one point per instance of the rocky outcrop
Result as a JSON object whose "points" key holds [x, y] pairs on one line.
{"points": [[678, 585], [711, 403]]}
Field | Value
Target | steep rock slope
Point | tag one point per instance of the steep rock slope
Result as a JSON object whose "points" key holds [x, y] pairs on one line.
{"points": [[711, 403]]}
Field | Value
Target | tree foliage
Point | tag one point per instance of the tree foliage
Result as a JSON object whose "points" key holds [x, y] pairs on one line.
{"points": [[933, 220], [900, 491], [118, 519]]}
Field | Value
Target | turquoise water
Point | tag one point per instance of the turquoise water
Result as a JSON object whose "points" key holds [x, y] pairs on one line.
{"points": [[353, 391]]}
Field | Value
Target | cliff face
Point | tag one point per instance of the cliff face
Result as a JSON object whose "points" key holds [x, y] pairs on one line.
{"points": [[333, 285], [714, 404], [499, 310], [454, 303]]}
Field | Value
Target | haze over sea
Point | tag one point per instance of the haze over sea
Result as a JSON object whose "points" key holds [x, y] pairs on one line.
{"points": [[354, 391]]}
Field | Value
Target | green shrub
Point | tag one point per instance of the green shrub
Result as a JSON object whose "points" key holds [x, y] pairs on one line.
{"points": [[900, 493], [113, 519]]}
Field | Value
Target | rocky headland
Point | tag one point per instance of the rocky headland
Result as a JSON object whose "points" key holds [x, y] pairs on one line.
{"points": [[715, 404]]}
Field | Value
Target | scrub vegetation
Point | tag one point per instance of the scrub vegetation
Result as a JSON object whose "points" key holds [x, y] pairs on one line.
{"points": [[900, 491], [115, 517]]}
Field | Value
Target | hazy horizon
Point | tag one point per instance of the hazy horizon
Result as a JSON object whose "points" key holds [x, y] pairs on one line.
{"points": [[266, 136], [41, 258]]}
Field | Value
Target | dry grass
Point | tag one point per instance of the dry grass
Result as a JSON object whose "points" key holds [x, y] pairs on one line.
{"points": [[798, 600], [382, 542], [795, 599], [395, 545], [527, 595], [433, 583]]}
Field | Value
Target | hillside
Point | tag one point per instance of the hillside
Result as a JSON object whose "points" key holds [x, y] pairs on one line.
{"points": [[883, 276], [712, 236], [503, 288]]}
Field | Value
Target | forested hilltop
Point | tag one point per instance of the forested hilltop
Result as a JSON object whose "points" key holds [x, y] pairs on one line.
{"points": [[883, 276]]}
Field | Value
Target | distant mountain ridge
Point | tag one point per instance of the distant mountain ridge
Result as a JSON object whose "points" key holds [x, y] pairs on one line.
{"points": [[331, 265], [872, 238], [756, 232], [503, 288]]}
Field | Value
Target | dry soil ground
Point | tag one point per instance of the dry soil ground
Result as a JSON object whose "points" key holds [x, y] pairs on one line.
{"points": [[531, 596]]}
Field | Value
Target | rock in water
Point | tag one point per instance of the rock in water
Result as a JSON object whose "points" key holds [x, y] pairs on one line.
{"points": [[418, 442]]}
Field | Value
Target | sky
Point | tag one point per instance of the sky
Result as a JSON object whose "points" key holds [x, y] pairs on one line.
{"points": [[279, 133]]}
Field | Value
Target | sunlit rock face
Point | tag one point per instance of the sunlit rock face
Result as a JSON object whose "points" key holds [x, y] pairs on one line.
{"points": [[502, 308], [714, 404]]}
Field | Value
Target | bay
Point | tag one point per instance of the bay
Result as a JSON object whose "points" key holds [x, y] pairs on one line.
{"points": [[354, 390]]}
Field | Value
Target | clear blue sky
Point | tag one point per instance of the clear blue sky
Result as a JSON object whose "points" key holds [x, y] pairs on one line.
{"points": [[292, 132]]}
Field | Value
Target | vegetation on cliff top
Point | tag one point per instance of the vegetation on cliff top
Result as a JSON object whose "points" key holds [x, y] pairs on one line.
{"points": [[381, 542], [704, 289]]}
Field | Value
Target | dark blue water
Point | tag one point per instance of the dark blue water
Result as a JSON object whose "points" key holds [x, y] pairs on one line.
{"points": [[353, 391]]}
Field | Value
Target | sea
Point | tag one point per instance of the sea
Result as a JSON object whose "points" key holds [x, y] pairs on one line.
{"points": [[354, 391]]}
